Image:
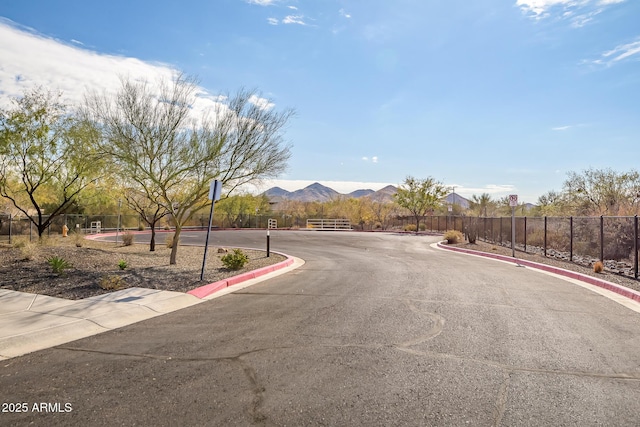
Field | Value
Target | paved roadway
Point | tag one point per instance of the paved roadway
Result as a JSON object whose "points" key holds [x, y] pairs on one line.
{"points": [[375, 329]]}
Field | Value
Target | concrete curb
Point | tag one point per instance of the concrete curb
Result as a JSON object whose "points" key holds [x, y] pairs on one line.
{"points": [[620, 290], [206, 290]]}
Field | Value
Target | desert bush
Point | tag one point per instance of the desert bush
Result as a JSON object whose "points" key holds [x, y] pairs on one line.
{"points": [[128, 238], [58, 264], [235, 260], [471, 231], [598, 266], [453, 236], [168, 241], [141, 227], [112, 283], [410, 227], [28, 250], [78, 239], [122, 264]]}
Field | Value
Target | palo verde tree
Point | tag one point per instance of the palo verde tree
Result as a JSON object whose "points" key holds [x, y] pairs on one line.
{"points": [[419, 196], [151, 134], [237, 207], [47, 156], [602, 192]]}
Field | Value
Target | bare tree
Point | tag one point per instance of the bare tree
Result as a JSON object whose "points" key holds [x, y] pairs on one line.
{"points": [[47, 156], [172, 156], [150, 210]]}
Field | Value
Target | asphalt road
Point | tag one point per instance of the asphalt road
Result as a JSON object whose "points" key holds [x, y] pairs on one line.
{"points": [[374, 330]]}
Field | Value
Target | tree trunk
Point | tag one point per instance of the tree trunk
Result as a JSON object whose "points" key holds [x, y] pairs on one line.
{"points": [[152, 243], [174, 247]]}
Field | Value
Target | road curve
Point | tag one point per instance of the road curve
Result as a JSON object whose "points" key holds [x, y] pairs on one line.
{"points": [[374, 329]]}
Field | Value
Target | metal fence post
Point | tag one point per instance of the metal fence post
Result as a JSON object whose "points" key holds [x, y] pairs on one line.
{"points": [[602, 238], [635, 246], [545, 236], [570, 238], [500, 233], [525, 234]]}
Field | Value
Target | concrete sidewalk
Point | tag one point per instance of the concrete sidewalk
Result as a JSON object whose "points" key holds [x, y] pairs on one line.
{"points": [[30, 322]]}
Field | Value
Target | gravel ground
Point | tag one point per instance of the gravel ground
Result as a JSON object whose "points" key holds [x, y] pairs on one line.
{"points": [[625, 281], [24, 267]]}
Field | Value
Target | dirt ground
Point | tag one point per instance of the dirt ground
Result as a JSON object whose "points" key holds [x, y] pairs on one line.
{"points": [[625, 281], [24, 267]]}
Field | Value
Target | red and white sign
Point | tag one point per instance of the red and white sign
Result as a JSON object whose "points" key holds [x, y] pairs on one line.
{"points": [[513, 200]]}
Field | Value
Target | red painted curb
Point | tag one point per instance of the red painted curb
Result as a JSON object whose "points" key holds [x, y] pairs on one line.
{"points": [[613, 287], [206, 290]]}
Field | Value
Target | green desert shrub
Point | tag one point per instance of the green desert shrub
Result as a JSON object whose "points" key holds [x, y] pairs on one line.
{"points": [[235, 260], [58, 264]]}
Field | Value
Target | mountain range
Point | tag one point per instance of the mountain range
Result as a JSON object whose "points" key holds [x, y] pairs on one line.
{"points": [[317, 192]]}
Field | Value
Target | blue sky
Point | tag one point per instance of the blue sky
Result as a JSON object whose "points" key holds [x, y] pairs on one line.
{"points": [[497, 96]]}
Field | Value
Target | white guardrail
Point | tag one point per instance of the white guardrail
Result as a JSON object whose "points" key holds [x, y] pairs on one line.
{"points": [[329, 224]]}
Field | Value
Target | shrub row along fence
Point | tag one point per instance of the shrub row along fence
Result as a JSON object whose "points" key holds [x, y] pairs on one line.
{"points": [[612, 240], [87, 224]]}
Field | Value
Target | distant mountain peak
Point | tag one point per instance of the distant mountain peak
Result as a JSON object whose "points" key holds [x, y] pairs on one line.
{"points": [[317, 192]]}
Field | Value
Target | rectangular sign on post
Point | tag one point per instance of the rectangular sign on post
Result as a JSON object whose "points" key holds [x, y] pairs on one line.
{"points": [[513, 200], [214, 194], [214, 190]]}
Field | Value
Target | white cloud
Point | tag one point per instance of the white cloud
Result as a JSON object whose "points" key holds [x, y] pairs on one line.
{"points": [[617, 54], [580, 12], [272, 21], [495, 190], [262, 103], [292, 7], [30, 59], [623, 51], [561, 128], [294, 19], [262, 2], [374, 159], [344, 14], [366, 159]]}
